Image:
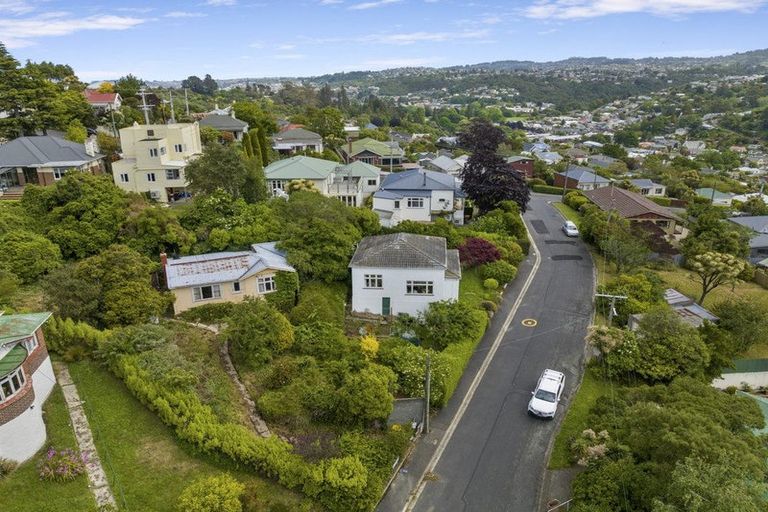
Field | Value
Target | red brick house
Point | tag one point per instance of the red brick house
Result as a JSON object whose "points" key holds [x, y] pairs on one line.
{"points": [[633, 207], [522, 164]]}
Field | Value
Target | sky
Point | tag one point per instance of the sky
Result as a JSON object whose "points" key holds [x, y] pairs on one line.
{"points": [[262, 38]]}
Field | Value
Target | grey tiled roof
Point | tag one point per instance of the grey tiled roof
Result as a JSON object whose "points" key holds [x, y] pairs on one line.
{"points": [[758, 223], [402, 250], [39, 150], [583, 175]]}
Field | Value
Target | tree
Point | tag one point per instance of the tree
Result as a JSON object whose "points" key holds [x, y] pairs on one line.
{"points": [[328, 122], [212, 494], [261, 136], [255, 116], [448, 322], [155, 230], [624, 249], [255, 184], [219, 167], [477, 251], [754, 206], [28, 255], [366, 396], [76, 132], [746, 320], [257, 331], [714, 269], [194, 84], [210, 86], [128, 87], [487, 178]]}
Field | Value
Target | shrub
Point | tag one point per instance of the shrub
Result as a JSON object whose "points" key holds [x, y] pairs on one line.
{"points": [[208, 313], [477, 251], [6, 467], [508, 247], [321, 340], [366, 396], [67, 336], [257, 331], [501, 271], [489, 306], [132, 340], [546, 189], [449, 322], [490, 284], [62, 465], [502, 221], [320, 302], [575, 199], [213, 494], [29, 255], [369, 345], [286, 291]]}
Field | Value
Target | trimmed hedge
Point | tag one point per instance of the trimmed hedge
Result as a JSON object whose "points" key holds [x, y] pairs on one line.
{"points": [[501, 271], [547, 189], [208, 313]]}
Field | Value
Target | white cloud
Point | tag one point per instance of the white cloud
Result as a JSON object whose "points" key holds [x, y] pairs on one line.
{"points": [[286, 46], [15, 7], [20, 32], [371, 5], [184, 14], [407, 38], [576, 9]]}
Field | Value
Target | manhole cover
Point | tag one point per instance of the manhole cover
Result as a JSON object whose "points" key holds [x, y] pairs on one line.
{"points": [[539, 227], [566, 257], [560, 242]]}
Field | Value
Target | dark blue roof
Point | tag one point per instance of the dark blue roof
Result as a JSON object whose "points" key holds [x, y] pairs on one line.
{"points": [[420, 180]]}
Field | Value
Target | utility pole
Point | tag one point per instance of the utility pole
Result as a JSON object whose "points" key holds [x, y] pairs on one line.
{"points": [[173, 114], [186, 102], [391, 150], [427, 383], [613, 298], [144, 106], [565, 183]]}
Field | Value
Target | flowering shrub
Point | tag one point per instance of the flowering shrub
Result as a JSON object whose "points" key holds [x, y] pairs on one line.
{"points": [[590, 446], [62, 465]]}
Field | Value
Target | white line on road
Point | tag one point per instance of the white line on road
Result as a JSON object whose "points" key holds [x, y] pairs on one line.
{"points": [[414, 498]]}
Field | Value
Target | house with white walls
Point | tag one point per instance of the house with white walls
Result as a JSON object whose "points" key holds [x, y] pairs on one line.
{"points": [[419, 195], [26, 381], [403, 273]]}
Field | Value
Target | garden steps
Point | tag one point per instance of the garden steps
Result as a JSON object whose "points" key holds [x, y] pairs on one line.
{"points": [[97, 478]]}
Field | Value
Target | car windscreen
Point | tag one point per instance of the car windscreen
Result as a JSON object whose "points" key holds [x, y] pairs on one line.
{"points": [[547, 396]]}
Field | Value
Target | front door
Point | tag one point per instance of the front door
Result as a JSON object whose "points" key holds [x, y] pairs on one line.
{"points": [[385, 309]]}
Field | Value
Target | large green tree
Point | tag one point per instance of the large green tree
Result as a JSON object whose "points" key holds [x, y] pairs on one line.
{"points": [[219, 167], [28, 255]]}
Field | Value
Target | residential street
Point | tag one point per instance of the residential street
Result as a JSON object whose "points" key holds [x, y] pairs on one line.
{"points": [[496, 457]]}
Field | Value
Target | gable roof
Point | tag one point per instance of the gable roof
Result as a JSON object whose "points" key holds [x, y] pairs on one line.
{"points": [[374, 146], [14, 327], [42, 151], [757, 223], [406, 250], [602, 160], [359, 169], [92, 96], [644, 183], [420, 180], [223, 267], [445, 163], [582, 175], [628, 204], [296, 134], [223, 122], [300, 167]]}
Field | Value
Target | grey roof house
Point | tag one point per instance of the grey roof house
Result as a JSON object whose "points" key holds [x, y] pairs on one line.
{"points": [[649, 188], [443, 164], [580, 178], [603, 161], [290, 141], [419, 195], [44, 159], [758, 244], [225, 123]]}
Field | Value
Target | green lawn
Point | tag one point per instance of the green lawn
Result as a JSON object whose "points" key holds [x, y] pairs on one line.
{"points": [[146, 465], [471, 288], [23, 491], [591, 389], [568, 212], [683, 281]]}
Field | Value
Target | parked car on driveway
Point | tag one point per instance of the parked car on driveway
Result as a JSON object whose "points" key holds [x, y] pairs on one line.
{"points": [[547, 394], [570, 229]]}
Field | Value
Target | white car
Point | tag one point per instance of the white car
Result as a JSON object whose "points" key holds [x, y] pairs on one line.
{"points": [[570, 229], [548, 391]]}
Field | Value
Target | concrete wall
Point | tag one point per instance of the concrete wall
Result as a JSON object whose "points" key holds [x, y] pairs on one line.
{"points": [[23, 436], [394, 287]]}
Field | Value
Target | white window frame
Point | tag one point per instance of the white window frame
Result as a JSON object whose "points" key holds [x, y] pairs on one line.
{"points": [[11, 384], [237, 287], [179, 148], [124, 178], [413, 287], [348, 200], [199, 296], [31, 343], [173, 174], [374, 281], [152, 152], [59, 172], [415, 202], [275, 185], [151, 177], [266, 284], [372, 182]]}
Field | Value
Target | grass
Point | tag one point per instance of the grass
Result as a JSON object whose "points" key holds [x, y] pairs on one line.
{"points": [[471, 288], [592, 388], [684, 281], [146, 465], [568, 212], [23, 491]]}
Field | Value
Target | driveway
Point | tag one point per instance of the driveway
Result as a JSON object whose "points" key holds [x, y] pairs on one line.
{"points": [[495, 457]]}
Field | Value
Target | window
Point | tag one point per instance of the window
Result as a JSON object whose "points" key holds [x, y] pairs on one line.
{"points": [[152, 151], [172, 174], [662, 223], [348, 200], [397, 204], [372, 183], [162, 150], [374, 281], [11, 384], [659, 191], [275, 185], [415, 202], [266, 284], [31, 343], [236, 287], [150, 133], [124, 177], [179, 148], [206, 292], [367, 159], [59, 172], [151, 177], [419, 287]]}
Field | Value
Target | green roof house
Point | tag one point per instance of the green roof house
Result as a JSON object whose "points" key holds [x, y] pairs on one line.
{"points": [[26, 381], [351, 183]]}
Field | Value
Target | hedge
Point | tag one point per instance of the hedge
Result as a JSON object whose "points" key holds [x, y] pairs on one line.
{"points": [[501, 271], [208, 313], [286, 289], [340, 484], [663, 201], [547, 189], [320, 302]]}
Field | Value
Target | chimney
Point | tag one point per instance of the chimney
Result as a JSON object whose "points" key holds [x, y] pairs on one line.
{"points": [[164, 263], [232, 110]]}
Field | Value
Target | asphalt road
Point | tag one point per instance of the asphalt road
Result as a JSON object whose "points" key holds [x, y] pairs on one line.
{"points": [[496, 458]]}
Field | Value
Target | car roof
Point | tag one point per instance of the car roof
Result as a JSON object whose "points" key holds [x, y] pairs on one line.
{"points": [[550, 380], [570, 223]]}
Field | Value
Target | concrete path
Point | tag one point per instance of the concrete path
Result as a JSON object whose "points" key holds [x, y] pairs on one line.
{"points": [[96, 477]]}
